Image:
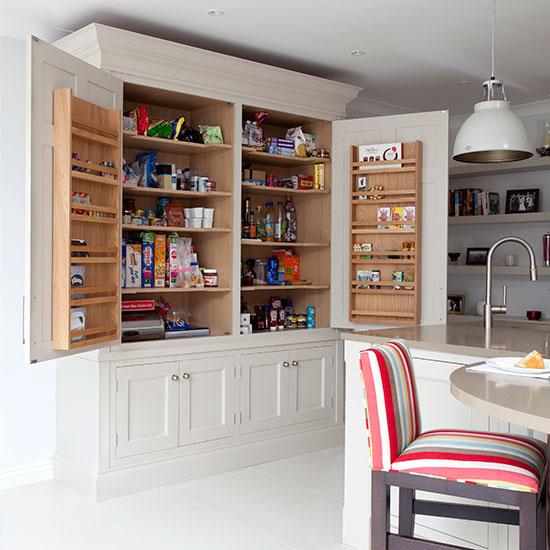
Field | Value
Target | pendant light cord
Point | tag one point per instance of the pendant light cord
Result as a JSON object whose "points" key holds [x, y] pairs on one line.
{"points": [[493, 41]]}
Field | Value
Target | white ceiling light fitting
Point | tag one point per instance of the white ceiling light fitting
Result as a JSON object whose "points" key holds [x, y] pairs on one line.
{"points": [[215, 12], [493, 133], [357, 52]]}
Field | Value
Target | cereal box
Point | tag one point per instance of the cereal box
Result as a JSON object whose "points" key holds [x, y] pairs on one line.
{"points": [[147, 259], [383, 214], [311, 141], [123, 264], [396, 217], [281, 255], [159, 275], [292, 267], [172, 260], [133, 265]]}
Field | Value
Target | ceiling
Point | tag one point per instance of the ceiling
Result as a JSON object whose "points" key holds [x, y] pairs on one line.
{"points": [[415, 52]]}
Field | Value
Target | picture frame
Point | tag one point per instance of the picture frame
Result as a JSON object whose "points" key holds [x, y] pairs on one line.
{"points": [[455, 304], [522, 201], [476, 256]]}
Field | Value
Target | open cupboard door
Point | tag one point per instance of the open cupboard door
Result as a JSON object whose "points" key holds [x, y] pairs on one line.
{"points": [[51, 69], [432, 131]]}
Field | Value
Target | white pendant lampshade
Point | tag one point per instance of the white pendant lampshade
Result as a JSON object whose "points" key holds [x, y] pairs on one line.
{"points": [[492, 133]]}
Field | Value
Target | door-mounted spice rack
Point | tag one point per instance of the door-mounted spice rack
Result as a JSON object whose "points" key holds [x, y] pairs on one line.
{"points": [[385, 238], [86, 204]]}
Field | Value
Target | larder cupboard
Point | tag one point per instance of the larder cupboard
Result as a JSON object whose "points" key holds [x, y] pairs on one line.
{"points": [[147, 409]]}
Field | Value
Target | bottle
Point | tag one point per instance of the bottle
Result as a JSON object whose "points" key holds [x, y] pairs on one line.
{"points": [[260, 224], [251, 225], [291, 221], [245, 219], [273, 318], [280, 223], [269, 222]]}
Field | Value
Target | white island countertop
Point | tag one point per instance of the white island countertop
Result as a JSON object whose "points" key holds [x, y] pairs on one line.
{"points": [[468, 338]]}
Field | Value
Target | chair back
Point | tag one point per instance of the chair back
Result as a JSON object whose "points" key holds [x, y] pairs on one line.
{"points": [[393, 416]]}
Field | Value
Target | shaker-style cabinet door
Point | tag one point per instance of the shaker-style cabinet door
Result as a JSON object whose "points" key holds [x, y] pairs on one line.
{"points": [[207, 399], [146, 408], [311, 384], [264, 391]]}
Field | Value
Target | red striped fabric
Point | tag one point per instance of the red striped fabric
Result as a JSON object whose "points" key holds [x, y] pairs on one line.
{"points": [[393, 423]]}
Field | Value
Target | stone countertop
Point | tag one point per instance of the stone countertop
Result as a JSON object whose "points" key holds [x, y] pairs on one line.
{"points": [[468, 338]]}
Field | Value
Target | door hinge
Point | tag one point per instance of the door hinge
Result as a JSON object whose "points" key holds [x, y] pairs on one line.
{"points": [[234, 418], [234, 372], [332, 402], [332, 360], [116, 386], [23, 320], [240, 418], [240, 371], [116, 440]]}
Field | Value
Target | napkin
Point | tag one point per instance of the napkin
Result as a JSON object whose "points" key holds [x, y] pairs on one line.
{"points": [[492, 369]]}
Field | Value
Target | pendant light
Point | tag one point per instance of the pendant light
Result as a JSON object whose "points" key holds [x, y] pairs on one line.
{"points": [[493, 133]]}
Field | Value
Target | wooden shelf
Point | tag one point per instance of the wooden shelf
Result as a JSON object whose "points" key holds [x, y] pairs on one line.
{"points": [[376, 291], [94, 290], [259, 157], [91, 219], [95, 260], [532, 217], [135, 191], [93, 136], [471, 170], [93, 208], [375, 261], [382, 283], [93, 166], [375, 172], [402, 314], [249, 242], [283, 288], [383, 231], [163, 229], [515, 270], [174, 290], [91, 178], [147, 143], [263, 190], [92, 301]]}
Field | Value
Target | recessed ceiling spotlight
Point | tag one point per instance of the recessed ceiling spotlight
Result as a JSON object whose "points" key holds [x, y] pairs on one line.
{"points": [[357, 52], [464, 83], [215, 12]]}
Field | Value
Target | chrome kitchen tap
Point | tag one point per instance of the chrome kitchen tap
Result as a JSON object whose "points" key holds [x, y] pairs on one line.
{"points": [[489, 309]]}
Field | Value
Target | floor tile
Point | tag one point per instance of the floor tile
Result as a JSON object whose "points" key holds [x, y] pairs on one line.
{"points": [[283, 511], [322, 472]]}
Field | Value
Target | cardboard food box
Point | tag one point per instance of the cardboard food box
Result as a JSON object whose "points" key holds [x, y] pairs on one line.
{"points": [[379, 152], [138, 305], [133, 265], [123, 264], [396, 217], [319, 176], [147, 259], [258, 175], [159, 274], [409, 217], [383, 215], [281, 256], [292, 267], [172, 258]]}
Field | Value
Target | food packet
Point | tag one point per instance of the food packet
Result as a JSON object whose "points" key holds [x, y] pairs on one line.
{"points": [[130, 177], [174, 214], [177, 125], [211, 134], [197, 278], [147, 169], [190, 135], [252, 133], [160, 128], [141, 118], [299, 139], [183, 261], [129, 123]]}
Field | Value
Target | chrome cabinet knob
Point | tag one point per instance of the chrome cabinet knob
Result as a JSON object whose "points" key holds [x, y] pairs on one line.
{"points": [[185, 375], [286, 364], [175, 377], [294, 363]]}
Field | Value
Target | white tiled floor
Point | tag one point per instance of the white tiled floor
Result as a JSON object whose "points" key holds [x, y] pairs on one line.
{"points": [[294, 503]]}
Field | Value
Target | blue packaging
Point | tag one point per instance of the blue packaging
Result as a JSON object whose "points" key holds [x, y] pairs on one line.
{"points": [[123, 264], [273, 271], [311, 317]]}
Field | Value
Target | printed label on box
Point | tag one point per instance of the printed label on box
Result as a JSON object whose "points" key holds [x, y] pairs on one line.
{"points": [[160, 261], [148, 258], [133, 265]]}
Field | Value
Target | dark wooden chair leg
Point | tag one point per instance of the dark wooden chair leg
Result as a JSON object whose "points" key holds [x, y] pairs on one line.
{"points": [[406, 515], [528, 531], [380, 511], [542, 519]]}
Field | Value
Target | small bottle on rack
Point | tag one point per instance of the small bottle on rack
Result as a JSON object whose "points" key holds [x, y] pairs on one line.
{"points": [[269, 222], [280, 223], [245, 219], [291, 221], [260, 224], [251, 225]]}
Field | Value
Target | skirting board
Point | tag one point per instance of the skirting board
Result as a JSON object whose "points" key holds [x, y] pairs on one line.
{"points": [[32, 473], [115, 483]]}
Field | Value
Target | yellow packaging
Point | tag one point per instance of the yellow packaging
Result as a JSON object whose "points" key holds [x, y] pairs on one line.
{"points": [[396, 217], [319, 176], [160, 261]]}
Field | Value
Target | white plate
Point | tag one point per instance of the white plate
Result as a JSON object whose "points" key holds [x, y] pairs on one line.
{"points": [[507, 364]]}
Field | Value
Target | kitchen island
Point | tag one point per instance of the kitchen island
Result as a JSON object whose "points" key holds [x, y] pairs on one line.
{"points": [[437, 351]]}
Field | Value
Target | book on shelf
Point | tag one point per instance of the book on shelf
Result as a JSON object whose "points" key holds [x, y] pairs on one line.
{"points": [[473, 202]]}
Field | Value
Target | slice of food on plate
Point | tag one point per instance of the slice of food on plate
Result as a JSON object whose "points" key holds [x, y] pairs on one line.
{"points": [[532, 360]]}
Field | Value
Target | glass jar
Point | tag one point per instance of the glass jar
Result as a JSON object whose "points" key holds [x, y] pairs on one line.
{"points": [[543, 138]]}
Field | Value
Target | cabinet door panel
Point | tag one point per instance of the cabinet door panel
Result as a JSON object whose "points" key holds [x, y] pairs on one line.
{"points": [[206, 399], [146, 408], [51, 68], [311, 384], [264, 391]]}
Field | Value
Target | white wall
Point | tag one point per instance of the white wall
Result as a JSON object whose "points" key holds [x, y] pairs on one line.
{"points": [[27, 393]]}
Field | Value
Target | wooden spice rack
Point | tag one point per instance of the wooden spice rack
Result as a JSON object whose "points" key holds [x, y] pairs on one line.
{"points": [[94, 134], [402, 186]]}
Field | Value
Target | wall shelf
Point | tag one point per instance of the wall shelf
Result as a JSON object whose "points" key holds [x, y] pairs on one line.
{"points": [[135, 191], [283, 288], [533, 217], [162, 290], [147, 143], [162, 229], [471, 170], [264, 190], [250, 155], [249, 242]]}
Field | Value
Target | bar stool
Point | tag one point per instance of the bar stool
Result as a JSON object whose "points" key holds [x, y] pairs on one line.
{"points": [[497, 468]]}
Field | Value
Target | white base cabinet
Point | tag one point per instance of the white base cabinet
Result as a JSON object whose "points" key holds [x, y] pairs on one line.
{"points": [[144, 423]]}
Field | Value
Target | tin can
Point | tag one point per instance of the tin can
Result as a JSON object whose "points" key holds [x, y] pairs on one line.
{"points": [[310, 317], [127, 217], [194, 184], [210, 186], [201, 187], [161, 203], [301, 320]]}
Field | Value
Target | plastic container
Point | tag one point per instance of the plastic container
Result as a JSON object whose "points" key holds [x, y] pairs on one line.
{"points": [[269, 222], [208, 213], [194, 222], [207, 224], [187, 212], [196, 212]]}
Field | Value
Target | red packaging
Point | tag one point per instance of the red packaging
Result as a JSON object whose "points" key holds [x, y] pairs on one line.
{"points": [[138, 305], [282, 316], [142, 120]]}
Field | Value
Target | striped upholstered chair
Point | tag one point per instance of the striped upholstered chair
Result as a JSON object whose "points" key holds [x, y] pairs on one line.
{"points": [[496, 468]]}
